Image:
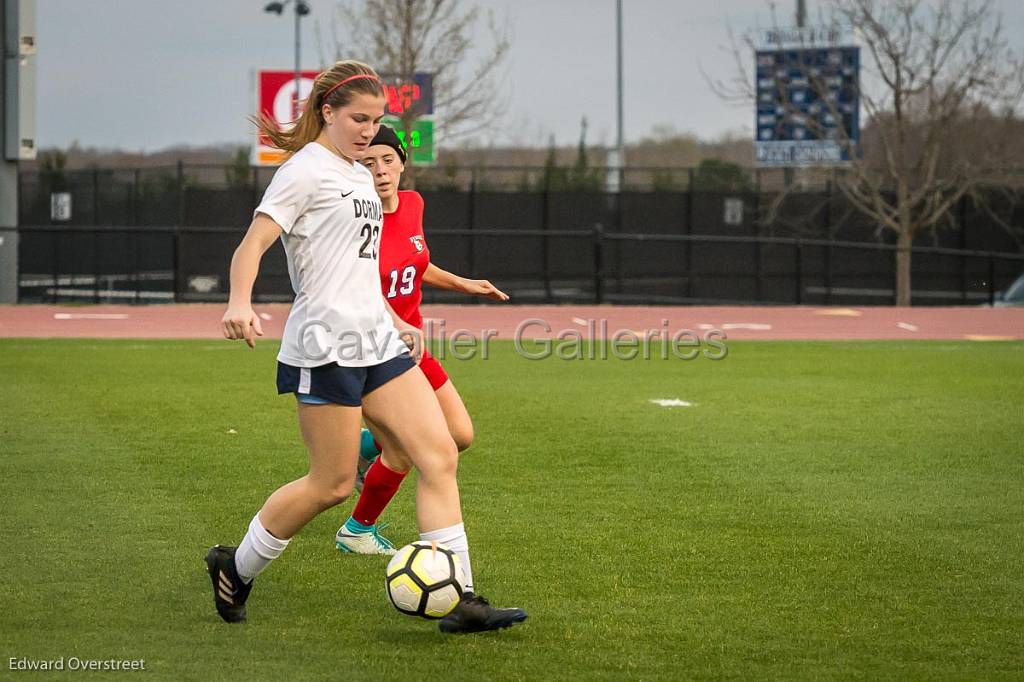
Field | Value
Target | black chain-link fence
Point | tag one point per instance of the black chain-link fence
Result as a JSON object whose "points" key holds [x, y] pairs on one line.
{"points": [[162, 234], [214, 196]]}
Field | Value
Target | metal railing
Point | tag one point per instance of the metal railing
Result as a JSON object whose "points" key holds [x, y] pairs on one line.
{"points": [[168, 264]]}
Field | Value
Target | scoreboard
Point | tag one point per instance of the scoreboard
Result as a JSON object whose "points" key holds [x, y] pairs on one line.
{"points": [[807, 102], [419, 97]]}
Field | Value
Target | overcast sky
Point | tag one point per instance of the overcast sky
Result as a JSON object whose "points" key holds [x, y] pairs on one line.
{"points": [[148, 74]]}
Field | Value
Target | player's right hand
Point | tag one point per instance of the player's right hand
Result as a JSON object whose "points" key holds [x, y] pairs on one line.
{"points": [[241, 322], [413, 338]]}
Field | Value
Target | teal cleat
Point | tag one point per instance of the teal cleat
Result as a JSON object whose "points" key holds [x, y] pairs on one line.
{"points": [[362, 541]]}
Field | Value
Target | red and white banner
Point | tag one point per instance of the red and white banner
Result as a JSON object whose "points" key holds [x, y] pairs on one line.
{"points": [[275, 97]]}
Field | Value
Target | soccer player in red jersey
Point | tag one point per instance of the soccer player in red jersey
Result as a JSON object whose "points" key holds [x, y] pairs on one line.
{"points": [[404, 267]]}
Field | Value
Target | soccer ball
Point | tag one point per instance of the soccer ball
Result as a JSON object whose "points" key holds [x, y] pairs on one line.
{"points": [[425, 579]]}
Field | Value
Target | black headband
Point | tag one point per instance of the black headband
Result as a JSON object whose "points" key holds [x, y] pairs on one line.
{"points": [[387, 136]]}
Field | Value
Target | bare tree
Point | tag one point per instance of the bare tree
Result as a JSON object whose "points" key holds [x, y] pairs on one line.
{"points": [[938, 81], [403, 37]]}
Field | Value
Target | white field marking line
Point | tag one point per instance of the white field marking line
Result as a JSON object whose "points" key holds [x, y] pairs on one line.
{"points": [[579, 321], [266, 316], [907, 326], [733, 326], [90, 316], [670, 402]]}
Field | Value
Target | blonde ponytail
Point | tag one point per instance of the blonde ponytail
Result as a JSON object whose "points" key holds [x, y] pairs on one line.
{"points": [[311, 121]]}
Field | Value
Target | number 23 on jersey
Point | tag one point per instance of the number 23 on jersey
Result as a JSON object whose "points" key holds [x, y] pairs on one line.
{"points": [[370, 235]]}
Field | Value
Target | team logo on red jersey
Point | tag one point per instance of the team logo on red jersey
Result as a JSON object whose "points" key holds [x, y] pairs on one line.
{"points": [[417, 241]]}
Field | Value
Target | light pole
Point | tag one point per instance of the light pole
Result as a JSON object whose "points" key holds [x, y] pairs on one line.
{"points": [[616, 159], [301, 10], [620, 144]]}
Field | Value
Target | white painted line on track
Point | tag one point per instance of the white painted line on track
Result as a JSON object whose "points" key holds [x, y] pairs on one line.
{"points": [[90, 316], [907, 326], [579, 321], [839, 312], [988, 337], [733, 326]]}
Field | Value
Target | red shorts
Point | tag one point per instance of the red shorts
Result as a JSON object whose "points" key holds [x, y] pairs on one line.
{"points": [[433, 370]]}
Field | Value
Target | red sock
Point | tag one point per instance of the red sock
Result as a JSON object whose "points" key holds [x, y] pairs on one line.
{"points": [[379, 486]]}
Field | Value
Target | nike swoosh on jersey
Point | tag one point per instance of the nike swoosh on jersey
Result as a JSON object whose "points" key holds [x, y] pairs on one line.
{"points": [[343, 195]]}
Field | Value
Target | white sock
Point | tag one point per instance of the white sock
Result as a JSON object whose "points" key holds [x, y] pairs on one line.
{"points": [[257, 550], [455, 539]]}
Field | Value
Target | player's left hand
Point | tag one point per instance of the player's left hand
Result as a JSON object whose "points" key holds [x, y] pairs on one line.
{"points": [[482, 287]]}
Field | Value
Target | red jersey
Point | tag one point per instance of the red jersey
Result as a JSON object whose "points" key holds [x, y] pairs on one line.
{"points": [[404, 257]]}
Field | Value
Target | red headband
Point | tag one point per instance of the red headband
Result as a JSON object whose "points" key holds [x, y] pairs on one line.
{"points": [[350, 78]]}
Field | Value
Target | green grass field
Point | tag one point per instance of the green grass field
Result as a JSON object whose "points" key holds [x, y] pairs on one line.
{"points": [[825, 510]]}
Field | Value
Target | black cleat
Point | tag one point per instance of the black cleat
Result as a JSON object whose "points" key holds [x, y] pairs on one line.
{"points": [[475, 614], [229, 591]]}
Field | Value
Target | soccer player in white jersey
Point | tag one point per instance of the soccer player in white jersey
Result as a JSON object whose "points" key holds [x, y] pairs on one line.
{"points": [[344, 352]]}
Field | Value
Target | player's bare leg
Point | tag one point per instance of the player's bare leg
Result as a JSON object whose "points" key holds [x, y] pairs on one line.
{"points": [[460, 425], [329, 432], [360, 532], [409, 414]]}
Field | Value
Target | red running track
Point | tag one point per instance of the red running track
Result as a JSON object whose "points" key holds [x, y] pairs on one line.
{"points": [[202, 321]]}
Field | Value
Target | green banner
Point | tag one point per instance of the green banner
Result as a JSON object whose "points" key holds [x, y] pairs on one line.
{"points": [[421, 144]]}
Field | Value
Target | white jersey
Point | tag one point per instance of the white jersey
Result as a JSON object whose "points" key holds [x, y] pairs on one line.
{"points": [[332, 218]]}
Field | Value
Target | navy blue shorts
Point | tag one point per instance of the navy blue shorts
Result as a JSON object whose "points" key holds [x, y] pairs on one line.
{"points": [[332, 383]]}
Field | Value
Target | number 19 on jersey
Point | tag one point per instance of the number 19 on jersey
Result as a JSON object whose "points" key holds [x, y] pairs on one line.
{"points": [[408, 280]]}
